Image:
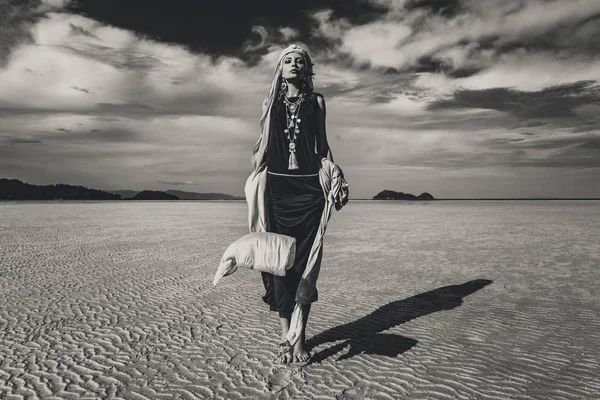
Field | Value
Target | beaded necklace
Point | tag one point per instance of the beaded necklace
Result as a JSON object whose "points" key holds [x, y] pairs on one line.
{"points": [[292, 111]]}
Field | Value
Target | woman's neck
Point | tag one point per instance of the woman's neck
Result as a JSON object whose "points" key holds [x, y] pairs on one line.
{"points": [[293, 89]]}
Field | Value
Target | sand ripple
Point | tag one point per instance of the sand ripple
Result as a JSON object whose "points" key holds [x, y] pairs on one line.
{"points": [[114, 300]]}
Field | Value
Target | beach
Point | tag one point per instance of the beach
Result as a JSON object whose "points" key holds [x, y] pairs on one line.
{"points": [[417, 300]]}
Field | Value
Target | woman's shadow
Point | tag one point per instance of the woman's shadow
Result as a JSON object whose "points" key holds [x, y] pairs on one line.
{"points": [[363, 335]]}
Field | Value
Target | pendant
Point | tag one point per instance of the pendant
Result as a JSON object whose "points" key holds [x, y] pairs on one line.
{"points": [[292, 161]]}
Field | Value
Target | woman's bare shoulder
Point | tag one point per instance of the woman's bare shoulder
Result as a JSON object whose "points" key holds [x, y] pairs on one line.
{"points": [[320, 100]]}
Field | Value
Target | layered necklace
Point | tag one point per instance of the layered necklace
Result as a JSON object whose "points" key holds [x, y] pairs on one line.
{"points": [[292, 112]]}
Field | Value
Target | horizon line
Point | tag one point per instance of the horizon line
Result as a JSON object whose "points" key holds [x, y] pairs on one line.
{"points": [[239, 198]]}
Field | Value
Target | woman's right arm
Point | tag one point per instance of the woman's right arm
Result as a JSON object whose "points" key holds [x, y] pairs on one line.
{"points": [[322, 145]]}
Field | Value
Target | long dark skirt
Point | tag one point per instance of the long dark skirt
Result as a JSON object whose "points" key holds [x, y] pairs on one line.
{"points": [[296, 205]]}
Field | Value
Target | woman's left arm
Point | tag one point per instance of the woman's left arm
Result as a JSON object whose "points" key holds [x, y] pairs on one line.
{"points": [[321, 134]]}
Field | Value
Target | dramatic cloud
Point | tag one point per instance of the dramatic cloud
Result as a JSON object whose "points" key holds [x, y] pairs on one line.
{"points": [[463, 39], [462, 98], [552, 102], [16, 19]]}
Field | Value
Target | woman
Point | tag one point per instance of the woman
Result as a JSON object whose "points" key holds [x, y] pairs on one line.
{"points": [[294, 118]]}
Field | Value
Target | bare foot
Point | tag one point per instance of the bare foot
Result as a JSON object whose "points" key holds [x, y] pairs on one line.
{"points": [[300, 354], [284, 353]]}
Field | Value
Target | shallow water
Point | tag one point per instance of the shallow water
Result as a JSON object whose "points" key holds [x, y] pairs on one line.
{"points": [[113, 300]]}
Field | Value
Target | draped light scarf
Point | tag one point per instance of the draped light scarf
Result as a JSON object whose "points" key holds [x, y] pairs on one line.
{"points": [[260, 148], [335, 191]]}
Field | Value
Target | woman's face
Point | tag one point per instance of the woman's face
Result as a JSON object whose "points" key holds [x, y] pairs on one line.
{"points": [[293, 66]]}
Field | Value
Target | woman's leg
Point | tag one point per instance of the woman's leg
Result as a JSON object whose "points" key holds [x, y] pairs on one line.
{"points": [[300, 354], [284, 321], [284, 355]]}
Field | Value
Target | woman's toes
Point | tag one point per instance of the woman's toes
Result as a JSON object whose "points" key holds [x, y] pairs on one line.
{"points": [[284, 354], [302, 356]]}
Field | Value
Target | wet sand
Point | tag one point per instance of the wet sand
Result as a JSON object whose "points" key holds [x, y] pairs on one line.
{"points": [[447, 300]]}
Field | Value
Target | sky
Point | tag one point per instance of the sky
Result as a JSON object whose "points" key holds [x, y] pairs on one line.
{"points": [[457, 98]]}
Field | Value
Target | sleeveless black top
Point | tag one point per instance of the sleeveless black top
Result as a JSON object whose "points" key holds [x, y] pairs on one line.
{"points": [[309, 162]]}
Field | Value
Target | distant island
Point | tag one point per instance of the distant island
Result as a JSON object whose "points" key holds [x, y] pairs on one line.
{"points": [[154, 195], [182, 195], [392, 195], [14, 189]]}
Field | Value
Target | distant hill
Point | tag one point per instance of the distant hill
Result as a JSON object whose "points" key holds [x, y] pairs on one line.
{"points": [[14, 189], [127, 194], [392, 195], [202, 196], [154, 195]]}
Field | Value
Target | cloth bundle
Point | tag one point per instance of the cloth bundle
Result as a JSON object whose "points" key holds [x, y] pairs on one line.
{"points": [[262, 251]]}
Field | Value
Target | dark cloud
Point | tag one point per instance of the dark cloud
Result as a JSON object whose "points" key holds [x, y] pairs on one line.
{"points": [[125, 59], [263, 34], [220, 27], [111, 135], [381, 76], [78, 30], [525, 123], [381, 90], [62, 135], [8, 110], [16, 19], [566, 151], [462, 38], [29, 70], [80, 89], [591, 144], [125, 109], [553, 102], [568, 158], [19, 141], [446, 8], [434, 64], [201, 104], [566, 38], [587, 127]]}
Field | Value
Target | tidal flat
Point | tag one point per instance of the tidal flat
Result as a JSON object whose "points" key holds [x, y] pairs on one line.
{"points": [[417, 300]]}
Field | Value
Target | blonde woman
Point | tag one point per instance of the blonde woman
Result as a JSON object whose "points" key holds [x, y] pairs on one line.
{"points": [[292, 147]]}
